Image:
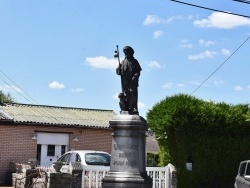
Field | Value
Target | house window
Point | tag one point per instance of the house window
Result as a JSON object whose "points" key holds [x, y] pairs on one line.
{"points": [[63, 149], [51, 150]]}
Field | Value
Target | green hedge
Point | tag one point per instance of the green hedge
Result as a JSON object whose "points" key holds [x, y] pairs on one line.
{"points": [[215, 135]]}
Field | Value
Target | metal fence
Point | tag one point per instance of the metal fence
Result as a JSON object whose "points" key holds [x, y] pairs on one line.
{"points": [[163, 177]]}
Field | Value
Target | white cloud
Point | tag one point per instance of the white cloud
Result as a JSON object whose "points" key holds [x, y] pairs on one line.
{"points": [[8, 88], [197, 83], [248, 86], [211, 82], [115, 96], [2, 88], [56, 85], [154, 19], [206, 43], [203, 55], [157, 34], [101, 62], [185, 44], [225, 52], [238, 88], [141, 105], [168, 85], [153, 64], [190, 17], [180, 85], [77, 89], [222, 21], [216, 81], [171, 19]]}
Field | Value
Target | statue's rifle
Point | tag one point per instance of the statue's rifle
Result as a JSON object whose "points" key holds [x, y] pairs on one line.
{"points": [[117, 55]]}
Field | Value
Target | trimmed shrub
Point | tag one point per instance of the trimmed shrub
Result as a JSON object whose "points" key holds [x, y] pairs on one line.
{"points": [[215, 136]]}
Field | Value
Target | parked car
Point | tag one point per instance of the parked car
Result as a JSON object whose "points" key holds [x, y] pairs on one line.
{"points": [[85, 157], [242, 179]]}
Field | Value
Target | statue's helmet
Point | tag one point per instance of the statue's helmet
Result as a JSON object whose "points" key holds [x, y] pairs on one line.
{"points": [[128, 49]]}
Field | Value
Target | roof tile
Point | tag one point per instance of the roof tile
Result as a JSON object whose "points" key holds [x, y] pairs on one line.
{"points": [[54, 115]]}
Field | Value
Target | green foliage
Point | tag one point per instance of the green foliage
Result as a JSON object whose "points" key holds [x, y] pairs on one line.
{"points": [[215, 135], [5, 97], [152, 159]]}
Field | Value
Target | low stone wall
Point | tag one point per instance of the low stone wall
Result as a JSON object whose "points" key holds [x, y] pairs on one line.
{"points": [[19, 180], [51, 180]]}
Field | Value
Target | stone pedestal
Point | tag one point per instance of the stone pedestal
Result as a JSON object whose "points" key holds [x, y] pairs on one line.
{"points": [[128, 155]]}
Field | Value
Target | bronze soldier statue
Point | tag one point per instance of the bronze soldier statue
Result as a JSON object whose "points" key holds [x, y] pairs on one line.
{"points": [[129, 70]]}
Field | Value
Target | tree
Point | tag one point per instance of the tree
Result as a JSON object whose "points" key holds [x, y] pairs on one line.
{"points": [[5, 97], [215, 135]]}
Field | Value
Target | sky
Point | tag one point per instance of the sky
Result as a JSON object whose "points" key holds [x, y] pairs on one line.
{"points": [[61, 52]]}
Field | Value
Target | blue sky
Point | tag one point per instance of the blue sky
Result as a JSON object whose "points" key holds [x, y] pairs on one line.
{"points": [[60, 53]]}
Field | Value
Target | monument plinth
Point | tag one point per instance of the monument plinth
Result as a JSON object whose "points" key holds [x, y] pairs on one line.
{"points": [[128, 155]]}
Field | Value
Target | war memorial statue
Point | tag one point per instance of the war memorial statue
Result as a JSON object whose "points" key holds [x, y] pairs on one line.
{"points": [[129, 70], [128, 150]]}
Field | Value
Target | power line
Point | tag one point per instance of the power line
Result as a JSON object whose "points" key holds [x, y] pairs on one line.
{"points": [[243, 1], [20, 93], [220, 65], [18, 87], [16, 90], [210, 8]]}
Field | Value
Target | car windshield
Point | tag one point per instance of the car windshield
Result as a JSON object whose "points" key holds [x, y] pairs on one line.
{"points": [[97, 159]]}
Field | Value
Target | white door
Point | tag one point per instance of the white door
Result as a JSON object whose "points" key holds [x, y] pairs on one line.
{"points": [[53, 145], [50, 153]]}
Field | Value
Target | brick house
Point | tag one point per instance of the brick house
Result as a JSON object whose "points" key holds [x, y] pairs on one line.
{"points": [[45, 132]]}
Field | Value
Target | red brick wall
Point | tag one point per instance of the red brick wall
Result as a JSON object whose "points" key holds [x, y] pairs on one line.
{"points": [[17, 146]]}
